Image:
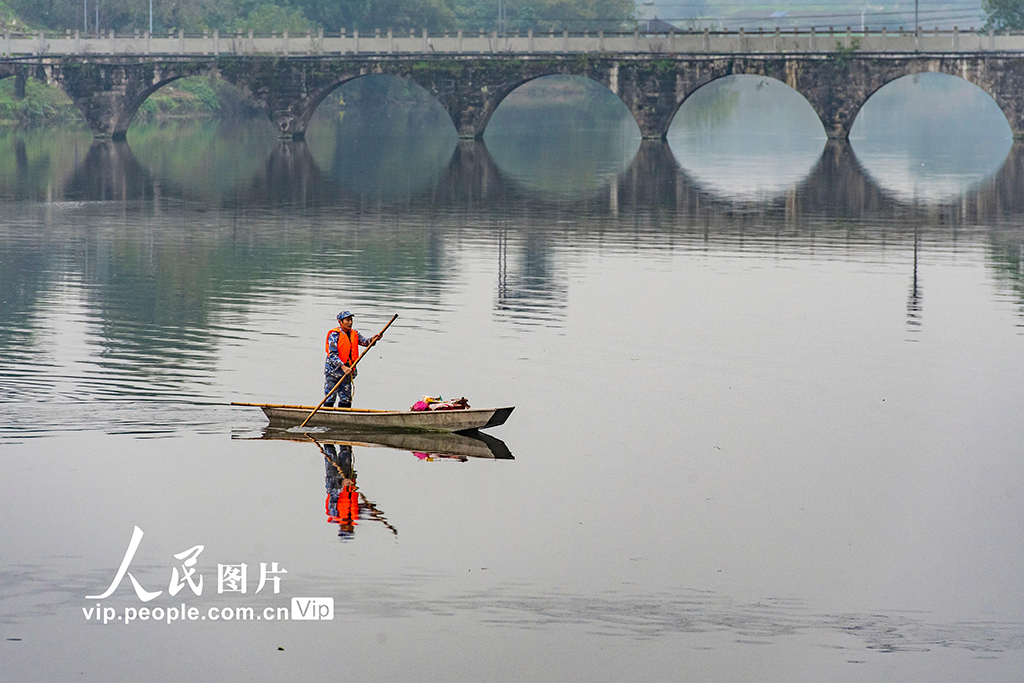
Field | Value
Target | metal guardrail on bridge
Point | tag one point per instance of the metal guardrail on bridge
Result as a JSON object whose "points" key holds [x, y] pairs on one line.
{"points": [[455, 43]]}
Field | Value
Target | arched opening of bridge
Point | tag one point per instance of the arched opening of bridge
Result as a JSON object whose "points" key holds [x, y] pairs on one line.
{"points": [[203, 135], [562, 135], [199, 98], [27, 101], [930, 136], [382, 136], [746, 137]]}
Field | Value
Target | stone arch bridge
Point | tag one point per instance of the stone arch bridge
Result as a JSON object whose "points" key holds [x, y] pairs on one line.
{"points": [[109, 90]]}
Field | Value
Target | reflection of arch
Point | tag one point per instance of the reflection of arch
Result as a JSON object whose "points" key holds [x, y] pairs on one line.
{"points": [[472, 177], [291, 176], [108, 172], [111, 171], [837, 186]]}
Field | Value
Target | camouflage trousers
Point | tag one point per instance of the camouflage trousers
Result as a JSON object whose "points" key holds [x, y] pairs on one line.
{"points": [[343, 395]]}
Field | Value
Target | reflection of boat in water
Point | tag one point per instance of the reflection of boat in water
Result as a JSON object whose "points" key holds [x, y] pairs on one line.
{"points": [[389, 420], [470, 444], [346, 505]]}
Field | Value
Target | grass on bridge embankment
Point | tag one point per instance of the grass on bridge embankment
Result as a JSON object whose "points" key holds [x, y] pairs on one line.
{"points": [[187, 98]]}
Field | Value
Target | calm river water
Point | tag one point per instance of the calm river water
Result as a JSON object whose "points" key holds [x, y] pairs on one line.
{"points": [[768, 400]]}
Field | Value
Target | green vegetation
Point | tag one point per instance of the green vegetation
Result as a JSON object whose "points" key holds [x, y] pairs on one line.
{"points": [[710, 107], [187, 97], [547, 14], [843, 54], [8, 18], [41, 103], [196, 97], [265, 18], [200, 97], [124, 16], [1004, 15]]}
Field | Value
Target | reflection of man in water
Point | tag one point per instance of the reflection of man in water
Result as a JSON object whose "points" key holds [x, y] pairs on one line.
{"points": [[345, 505], [342, 496]]}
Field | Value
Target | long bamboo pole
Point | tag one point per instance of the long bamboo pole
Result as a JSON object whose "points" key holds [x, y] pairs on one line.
{"points": [[349, 371]]}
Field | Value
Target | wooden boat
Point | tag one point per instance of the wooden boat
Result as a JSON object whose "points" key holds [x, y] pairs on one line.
{"points": [[385, 420], [471, 444]]}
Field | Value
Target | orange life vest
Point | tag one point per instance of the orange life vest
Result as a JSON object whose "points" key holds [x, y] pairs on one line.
{"points": [[346, 510], [348, 346]]}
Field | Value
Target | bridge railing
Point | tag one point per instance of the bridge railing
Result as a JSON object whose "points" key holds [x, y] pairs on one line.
{"points": [[552, 42]]}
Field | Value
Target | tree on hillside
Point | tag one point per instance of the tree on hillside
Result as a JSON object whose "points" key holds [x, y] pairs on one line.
{"points": [[124, 16], [547, 14], [40, 12], [265, 18], [434, 15], [1004, 15], [365, 15]]}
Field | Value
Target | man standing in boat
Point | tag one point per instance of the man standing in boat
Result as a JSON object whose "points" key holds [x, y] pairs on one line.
{"points": [[342, 347]]}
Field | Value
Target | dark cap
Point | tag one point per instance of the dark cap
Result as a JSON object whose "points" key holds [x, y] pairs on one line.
{"points": [[345, 314]]}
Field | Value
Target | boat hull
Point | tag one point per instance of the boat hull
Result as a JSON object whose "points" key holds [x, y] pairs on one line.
{"points": [[386, 420], [470, 444]]}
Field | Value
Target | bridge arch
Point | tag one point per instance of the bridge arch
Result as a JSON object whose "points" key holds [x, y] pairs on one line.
{"points": [[939, 75], [135, 99], [321, 94], [471, 93], [838, 88], [8, 69], [292, 107], [110, 96], [595, 86], [131, 107], [25, 74], [470, 87], [315, 98], [723, 79]]}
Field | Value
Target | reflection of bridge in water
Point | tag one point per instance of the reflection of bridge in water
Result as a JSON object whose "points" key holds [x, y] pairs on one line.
{"points": [[653, 201], [654, 186], [406, 242]]}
